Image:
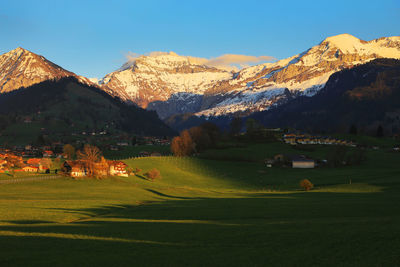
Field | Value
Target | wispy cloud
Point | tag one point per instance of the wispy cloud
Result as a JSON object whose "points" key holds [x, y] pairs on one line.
{"points": [[226, 61], [131, 56]]}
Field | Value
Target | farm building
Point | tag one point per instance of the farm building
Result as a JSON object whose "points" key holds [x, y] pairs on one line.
{"points": [[303, 163]]}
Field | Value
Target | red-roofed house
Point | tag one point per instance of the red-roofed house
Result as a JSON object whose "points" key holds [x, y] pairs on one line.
{"points": [[33, 161], [118, 168]]}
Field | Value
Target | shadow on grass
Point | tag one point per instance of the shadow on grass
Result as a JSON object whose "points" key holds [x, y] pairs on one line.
{"points": [[29, 222], [218, 231], [141, 177], [168, 196]]}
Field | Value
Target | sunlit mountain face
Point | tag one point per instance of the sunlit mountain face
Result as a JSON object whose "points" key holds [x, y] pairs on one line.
{"points": [[173, 84], [22, 68]]}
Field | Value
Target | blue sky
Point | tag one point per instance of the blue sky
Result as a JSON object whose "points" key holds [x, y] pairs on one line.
{"points": [[91, 38]]}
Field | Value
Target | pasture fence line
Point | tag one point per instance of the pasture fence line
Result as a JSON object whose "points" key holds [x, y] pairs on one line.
{"points": [[30, 179]]}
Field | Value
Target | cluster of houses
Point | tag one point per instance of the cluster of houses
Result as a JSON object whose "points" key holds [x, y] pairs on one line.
{"points": [[11, 162], [149, 154], [306, 139], [145, 140], [81, 168], [75, 168], [48, 151], [150, 140]]}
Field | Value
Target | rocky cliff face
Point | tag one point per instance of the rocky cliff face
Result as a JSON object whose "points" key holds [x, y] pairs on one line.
{"points": [[157, 82], [22, 68]]}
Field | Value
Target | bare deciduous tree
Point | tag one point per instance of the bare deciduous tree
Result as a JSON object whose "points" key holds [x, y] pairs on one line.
{"points": [[90, 155]]}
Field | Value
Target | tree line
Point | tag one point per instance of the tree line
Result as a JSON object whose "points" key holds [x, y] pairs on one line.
{"points": [[195, 140]]}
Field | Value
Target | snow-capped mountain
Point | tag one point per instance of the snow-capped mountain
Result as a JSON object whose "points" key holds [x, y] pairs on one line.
{"points": [[159, 76], [171, 84], [257, 88], [22, 68]]}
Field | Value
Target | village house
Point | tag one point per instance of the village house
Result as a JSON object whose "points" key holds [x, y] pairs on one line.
{"points": [[78, 171], [13, 160], [74, 168], [33, 161], [30, 169], [118, 168]]}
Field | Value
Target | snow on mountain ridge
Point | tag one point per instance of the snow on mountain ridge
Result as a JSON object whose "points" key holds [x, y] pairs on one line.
{"points": [[305, 73], [172, 78], [158, 77], [158, 60]]}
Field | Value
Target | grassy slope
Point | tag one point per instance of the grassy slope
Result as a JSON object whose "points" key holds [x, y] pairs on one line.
{"points": [[133, 151], [205, 212]]}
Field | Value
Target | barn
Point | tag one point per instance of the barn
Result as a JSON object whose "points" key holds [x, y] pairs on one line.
{"points": [[303, 163]]}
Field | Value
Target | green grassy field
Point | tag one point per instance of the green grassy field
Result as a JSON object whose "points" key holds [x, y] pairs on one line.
{"points": [[134, 151], [208, 212]]}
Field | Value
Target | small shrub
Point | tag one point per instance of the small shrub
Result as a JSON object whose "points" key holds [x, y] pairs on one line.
{"points": [[306, 184], [130, 171], [153, 174]]}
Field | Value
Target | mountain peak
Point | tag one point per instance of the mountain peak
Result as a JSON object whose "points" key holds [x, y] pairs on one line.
{"points": [[22, 68], [347, 43], [344, 37], [18, 51]]}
